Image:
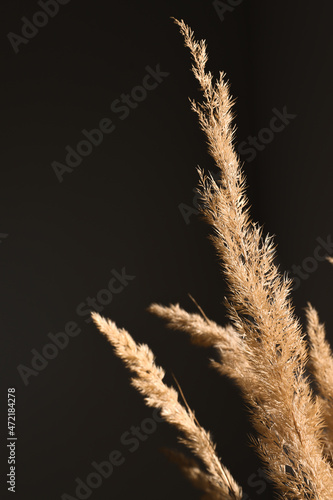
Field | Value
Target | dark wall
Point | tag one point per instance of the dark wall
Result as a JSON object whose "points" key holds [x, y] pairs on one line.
{"points": [[66, 230]]}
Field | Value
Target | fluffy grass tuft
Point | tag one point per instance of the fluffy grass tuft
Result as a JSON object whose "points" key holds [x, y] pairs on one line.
{"points": [[262, 349]]}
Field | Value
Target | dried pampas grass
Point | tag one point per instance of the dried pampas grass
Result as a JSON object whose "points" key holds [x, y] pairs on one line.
{"points": [[294, 426]]}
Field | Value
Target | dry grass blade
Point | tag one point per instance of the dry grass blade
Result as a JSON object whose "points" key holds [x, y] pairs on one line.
{"points": [[320, 355], [263, 349], [205, 332], [321, 366], [202, 331], [286, 416], [149, 381]]}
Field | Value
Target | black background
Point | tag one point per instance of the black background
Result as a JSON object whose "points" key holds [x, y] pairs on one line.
{"points": [[120, 208]]}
